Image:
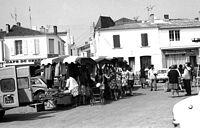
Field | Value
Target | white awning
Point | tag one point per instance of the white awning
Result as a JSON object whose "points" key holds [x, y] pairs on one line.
{"points": [[52, 60]]}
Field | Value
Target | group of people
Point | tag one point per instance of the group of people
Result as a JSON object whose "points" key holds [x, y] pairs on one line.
{"points": [[179, 78], [114, 83]]}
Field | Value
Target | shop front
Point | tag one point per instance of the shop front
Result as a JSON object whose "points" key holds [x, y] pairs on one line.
{"points": [[180, 56]]}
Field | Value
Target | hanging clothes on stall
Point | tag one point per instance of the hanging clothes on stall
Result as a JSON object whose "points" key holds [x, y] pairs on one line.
{"points": [[63, 69], [63, 73], [49, 75], [47, 72], [57, 70]]}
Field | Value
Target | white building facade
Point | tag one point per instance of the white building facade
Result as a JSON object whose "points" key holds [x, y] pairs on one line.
{"points": [[143, 44], [180, 44], [23, 46]]}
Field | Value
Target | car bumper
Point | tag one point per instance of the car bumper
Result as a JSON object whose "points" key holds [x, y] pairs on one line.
{"points": [[175, 123]]}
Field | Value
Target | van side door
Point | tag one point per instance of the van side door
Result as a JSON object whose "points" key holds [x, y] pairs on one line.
{"points": [[24, 86], [8, 88]]}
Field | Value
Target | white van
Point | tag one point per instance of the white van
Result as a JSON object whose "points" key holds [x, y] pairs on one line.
{"points": [[15, 88]]}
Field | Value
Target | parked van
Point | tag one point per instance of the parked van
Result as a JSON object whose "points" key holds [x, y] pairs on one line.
{"points": [[15, 88]]}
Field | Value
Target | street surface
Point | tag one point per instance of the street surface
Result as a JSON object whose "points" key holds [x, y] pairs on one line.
{"points": [[146, 109]]}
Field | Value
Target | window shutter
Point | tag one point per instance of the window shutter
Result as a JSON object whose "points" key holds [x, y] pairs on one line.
{"points": [[12, 49], [59, 50], [25, 47], [144, 39], [36, 46], [116, 41], [51, 46], [32, 47]]}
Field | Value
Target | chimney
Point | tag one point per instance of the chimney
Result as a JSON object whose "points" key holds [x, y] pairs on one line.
{"points": [[7, 28], [55, 30], [42, 29], [151, 18], [18, 24], [197, 18], [166, 16]]}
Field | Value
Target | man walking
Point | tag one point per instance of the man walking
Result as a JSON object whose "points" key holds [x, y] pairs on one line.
{"points": [[187, 77], [152, 75]]}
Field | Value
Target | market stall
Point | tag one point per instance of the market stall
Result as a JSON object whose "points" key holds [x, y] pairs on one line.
{"points": [[54, 73], [83, 70]]}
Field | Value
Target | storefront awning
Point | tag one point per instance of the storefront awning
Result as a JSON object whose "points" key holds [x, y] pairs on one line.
{"points": [[180, 47], [174, 53]]}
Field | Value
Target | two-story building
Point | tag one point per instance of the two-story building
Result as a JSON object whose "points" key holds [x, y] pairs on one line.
{"points": [[143, 43], [180, 42], [22, 46]]}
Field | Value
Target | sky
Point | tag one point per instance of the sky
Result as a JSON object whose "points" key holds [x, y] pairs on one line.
{"points": [[77, 16]]}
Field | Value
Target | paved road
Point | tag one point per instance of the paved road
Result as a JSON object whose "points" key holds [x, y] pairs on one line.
{"points": [[146, 109]]}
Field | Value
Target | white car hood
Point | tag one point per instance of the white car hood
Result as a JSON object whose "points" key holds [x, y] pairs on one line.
{"points": [[187, 112]]}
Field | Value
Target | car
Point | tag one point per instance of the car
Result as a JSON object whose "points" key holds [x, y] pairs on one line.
{"points": [[186, 113], [162, 75], [38, 87]]}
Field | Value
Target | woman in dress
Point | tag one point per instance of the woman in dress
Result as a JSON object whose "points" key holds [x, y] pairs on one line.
{"points": [[174, 75], [124, 80], [142, 77]]}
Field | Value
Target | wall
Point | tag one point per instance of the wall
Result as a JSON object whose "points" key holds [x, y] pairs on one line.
{"points": [[1, 50], [186, 35], [130, 41], [9, 45], [67, 44], [56, 39]]}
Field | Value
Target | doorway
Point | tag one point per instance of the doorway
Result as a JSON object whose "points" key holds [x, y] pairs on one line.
{"points": [[132, 62], [145, 61]]}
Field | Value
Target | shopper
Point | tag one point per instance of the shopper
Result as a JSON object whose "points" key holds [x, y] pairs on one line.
{"points": [[124, 80], [152, 75], [187, 77], [142, 77], [72, 86], [130, 80], [173, 76]]}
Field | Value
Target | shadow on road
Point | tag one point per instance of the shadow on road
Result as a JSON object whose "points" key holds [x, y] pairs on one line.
{"points": [[26, 116]]}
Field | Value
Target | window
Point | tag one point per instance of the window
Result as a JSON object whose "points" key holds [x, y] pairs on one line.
{"points": [[144, 39], [18, 47], [177, 35], [22, 83], [7, 85], [51, 46], [35, 81], [116, 41], [174, 35]]}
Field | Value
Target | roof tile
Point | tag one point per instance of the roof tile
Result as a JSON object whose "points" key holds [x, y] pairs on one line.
{"points": [[20, 31]]}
